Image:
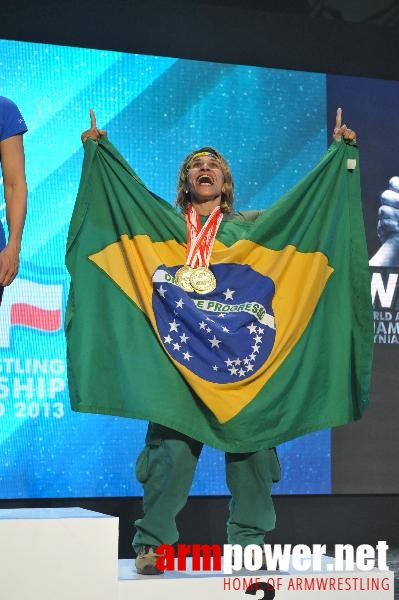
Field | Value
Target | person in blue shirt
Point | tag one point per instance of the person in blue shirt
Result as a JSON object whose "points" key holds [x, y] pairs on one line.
{"points": [[12, 159]]}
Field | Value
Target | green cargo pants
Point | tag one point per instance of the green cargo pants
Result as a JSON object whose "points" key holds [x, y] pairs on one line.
{"points": [[166, 469]]}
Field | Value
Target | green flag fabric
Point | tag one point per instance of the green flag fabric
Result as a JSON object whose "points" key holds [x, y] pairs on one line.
{"points": [[283, 345]]}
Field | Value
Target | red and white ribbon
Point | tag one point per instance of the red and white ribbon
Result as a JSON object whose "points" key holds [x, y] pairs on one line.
{"points": [[200, 239]]}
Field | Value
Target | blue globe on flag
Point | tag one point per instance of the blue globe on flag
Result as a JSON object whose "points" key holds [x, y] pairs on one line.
{"points": [[223, 336]]}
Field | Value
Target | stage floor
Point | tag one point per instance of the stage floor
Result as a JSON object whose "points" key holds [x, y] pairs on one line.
{"points": [[280, 585]]}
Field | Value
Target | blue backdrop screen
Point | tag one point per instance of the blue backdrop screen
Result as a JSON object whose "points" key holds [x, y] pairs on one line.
{"points": [[271, 126]]}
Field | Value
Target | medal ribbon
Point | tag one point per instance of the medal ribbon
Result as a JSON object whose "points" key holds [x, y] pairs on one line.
{"points": [[200, 240]]}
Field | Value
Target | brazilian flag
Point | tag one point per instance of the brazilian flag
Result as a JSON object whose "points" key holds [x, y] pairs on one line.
{"points": [[283, 345]]}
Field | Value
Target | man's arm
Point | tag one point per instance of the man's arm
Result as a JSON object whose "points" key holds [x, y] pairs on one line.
{"points": [[15, 193]]}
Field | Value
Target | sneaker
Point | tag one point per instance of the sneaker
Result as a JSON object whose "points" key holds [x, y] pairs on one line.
{"points": [[146, 561], [264, 566]]}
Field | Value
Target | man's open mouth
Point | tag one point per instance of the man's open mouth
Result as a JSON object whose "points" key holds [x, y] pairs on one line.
{"points": [[205, 180]]}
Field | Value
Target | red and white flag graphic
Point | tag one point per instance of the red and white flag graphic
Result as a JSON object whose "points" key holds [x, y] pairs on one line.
{"points": [[30, 304]]}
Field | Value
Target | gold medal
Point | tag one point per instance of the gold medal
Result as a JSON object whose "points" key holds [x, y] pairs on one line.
{"points": [[202, 280], [182, 277]]}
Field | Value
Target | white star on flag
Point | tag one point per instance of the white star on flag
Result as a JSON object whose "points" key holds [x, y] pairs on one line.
{"points": [[161, 291], [228, 294], [174, 325], [186, 355], [214, 342], [179, 304], [252, 328], [184, 338]]}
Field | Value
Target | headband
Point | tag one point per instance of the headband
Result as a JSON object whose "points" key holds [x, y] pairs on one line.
{"points": [[198, 154]]}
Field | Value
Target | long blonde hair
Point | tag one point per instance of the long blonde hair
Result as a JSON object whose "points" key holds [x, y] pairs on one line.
{"points": [[183, 199]]}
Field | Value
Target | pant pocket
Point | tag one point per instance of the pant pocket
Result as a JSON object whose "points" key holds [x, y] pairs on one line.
{"points": [[153, 440], [142, 465]]}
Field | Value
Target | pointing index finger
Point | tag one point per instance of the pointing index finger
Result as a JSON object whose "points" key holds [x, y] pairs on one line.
{"points": [[93, 123], [338, 119]]}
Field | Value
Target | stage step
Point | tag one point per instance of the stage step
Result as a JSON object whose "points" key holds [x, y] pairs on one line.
{"points": [[58, 554], [72, 554]]}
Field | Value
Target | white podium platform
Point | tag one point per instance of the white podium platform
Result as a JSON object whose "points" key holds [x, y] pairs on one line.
{"points": [[58, 554], [71, 554]]}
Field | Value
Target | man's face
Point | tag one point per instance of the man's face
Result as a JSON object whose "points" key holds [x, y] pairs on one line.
{"points": [[205, 178]]}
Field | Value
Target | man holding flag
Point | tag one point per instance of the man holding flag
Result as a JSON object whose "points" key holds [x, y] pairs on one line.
{"points": [[257, 324]]}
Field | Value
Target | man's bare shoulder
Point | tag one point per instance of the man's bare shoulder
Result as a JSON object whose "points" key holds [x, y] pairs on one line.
{"points": [[245, 215]]}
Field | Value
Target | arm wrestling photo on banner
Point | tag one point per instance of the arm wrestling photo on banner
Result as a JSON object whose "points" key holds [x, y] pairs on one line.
{"points": [[199, 326]]}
